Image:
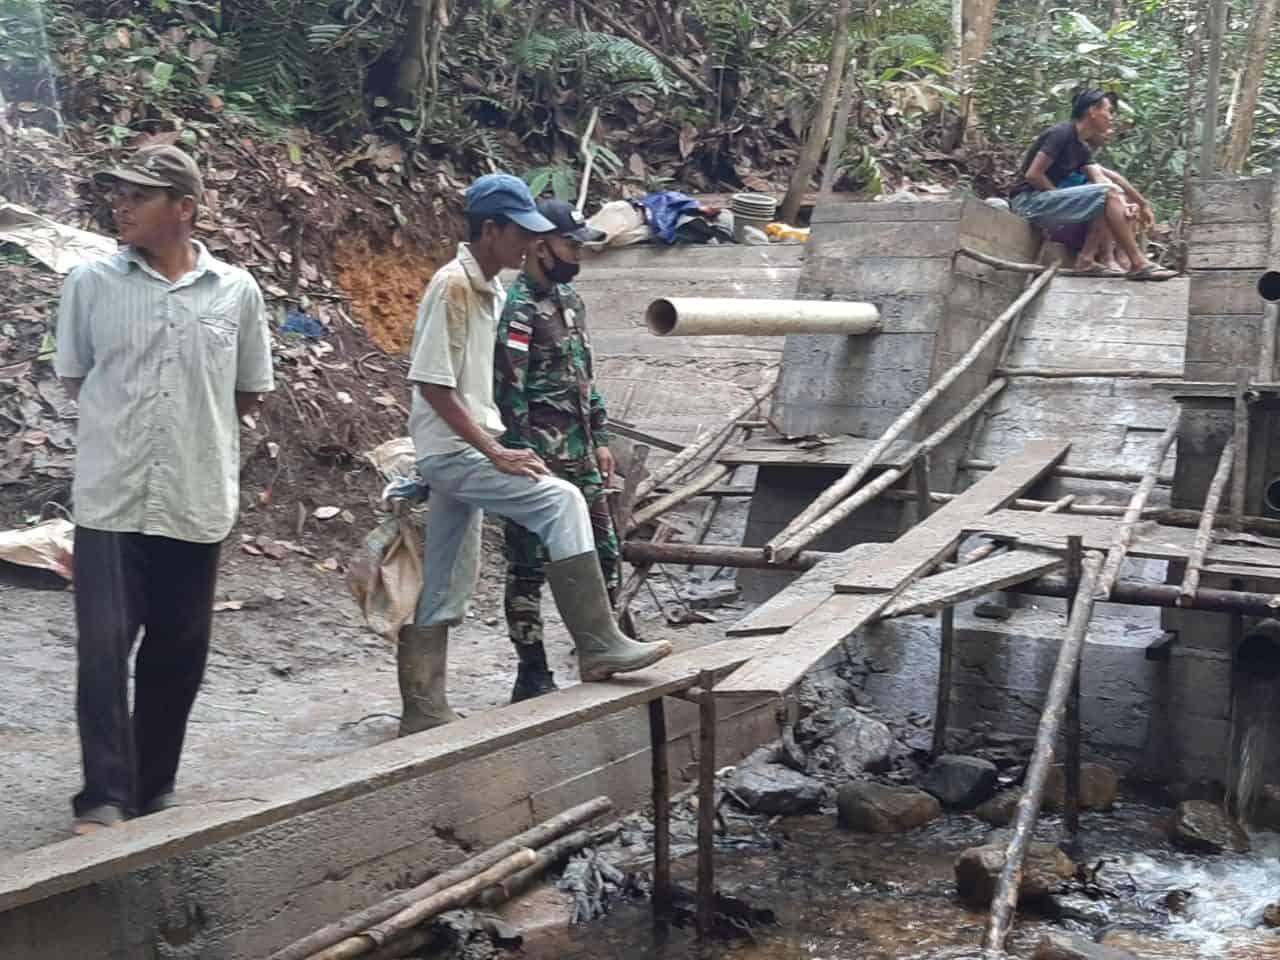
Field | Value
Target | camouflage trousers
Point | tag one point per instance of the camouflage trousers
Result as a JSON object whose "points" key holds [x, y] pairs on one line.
{"points": [[526, 560]]}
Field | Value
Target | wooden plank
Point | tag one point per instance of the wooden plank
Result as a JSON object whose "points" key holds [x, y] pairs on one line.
{"points": [[802, 596], [843, 452], [1234, 200], [924, 543], [797, 650], [864, 212], [1241, 570], [59, 867], [1151, 541], [1224, 292], [972, 580]]}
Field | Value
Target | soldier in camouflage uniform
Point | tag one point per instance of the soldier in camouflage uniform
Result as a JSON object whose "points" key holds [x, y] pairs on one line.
{"points": [[544, 389]]}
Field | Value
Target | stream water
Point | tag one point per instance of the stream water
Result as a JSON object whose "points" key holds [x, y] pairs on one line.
{"points": [[844, 896]]}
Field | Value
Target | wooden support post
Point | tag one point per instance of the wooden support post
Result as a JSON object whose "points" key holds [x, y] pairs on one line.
{"points": [[1124, 532], [1209, 131], [784, 550], [1204, 533], [946, 654], [631, 487], [706, 803], [1271, 312], [847, 483], [631, 588], [1240, 471], [920, 473], [661, 807], [1079, 473], [1071, 807], [713, 504], [1005, 901]]}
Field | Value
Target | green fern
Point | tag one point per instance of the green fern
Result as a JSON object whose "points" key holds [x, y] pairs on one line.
{"points": [[599, 63]]}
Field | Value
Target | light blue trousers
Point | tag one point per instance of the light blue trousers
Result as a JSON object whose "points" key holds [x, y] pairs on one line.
{"points": [[464, 486]]}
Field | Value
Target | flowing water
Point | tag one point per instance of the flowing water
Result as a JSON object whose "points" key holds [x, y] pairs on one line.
{"points": [[843, 896]]}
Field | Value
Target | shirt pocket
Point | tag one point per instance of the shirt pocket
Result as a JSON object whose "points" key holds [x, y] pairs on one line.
{"points": [[216, 340]]}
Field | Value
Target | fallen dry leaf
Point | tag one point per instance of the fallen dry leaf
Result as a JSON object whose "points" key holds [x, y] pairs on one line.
{"points": [[326, 513], [228, 605]]}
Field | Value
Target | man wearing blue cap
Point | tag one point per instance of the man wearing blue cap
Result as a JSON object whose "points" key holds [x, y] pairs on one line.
{"points": [[455, 425]]}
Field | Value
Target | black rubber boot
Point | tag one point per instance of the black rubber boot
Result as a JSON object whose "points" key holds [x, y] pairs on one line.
{"points": [[533, 677]]}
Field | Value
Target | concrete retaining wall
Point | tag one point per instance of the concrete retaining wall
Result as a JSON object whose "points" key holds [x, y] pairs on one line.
{"points": [[244, 898]]}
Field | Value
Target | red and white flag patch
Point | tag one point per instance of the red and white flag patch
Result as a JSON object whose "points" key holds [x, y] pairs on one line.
{"points": [[518, 340]]}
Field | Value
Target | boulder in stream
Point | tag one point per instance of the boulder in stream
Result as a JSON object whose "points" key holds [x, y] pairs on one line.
{"points": [[774, 789], [961, 782], [978, 870], [875, 808], [999, 810], [1070, 946], [862, 743], [1098, 785], [1203, 827], [1271, 915]]}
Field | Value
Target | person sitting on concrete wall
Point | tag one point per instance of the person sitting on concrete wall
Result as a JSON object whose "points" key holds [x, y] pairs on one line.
{"points": [[1097, 252], [455, 425], [1063, 150]]}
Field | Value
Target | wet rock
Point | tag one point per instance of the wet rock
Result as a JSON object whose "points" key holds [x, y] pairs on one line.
{"points": [[999, 810], [962, 782], [774, 789], [1203, 827], [1079, 908], [875, 808], [862, 743], [978, 869], [1266, 813], [1069, 946], [1271, 915], [1098, 785]]}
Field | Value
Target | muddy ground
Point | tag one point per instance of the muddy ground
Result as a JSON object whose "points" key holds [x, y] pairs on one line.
{"points": [[294, 677]]}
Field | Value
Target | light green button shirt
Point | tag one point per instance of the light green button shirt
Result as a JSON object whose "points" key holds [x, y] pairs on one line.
{"points": [[158, 446]]}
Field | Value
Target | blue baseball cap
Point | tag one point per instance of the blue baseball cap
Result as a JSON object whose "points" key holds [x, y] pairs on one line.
{"points": [[500, 194]]}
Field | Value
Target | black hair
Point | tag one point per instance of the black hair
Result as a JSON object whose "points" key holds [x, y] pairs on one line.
{"points": [[1086, 99], [476, 222]]}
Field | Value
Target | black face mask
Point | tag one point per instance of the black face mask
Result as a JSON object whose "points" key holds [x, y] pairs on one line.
{"points": [[560, 271]]}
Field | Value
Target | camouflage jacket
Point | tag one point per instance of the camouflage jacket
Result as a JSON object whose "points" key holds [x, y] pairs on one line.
{"points": [[543, 381]]}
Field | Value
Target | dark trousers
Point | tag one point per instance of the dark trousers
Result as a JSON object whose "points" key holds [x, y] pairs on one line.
{"points": [[124, 583]]}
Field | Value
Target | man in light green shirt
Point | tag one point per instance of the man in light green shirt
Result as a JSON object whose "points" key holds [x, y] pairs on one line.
{"points": [[165, 347]]}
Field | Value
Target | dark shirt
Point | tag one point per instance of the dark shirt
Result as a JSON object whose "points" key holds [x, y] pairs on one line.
{"points": [[1067, 151]]}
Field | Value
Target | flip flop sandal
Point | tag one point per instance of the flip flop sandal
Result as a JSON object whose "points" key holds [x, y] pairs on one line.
{"points": [[1151, 272]]}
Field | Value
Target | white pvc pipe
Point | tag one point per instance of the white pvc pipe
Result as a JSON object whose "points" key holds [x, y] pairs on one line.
{"points": [[711, 316]]}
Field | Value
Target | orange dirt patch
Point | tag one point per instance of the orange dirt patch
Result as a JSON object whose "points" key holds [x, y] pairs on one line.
{"points": [[385, 287]]}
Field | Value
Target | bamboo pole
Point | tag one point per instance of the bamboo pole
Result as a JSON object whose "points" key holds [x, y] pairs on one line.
{"points": [[1000, 263], [1005, 901], [554, 853], [707, 720], [408, 918], [711, 476], [686, 456], [1240, 473], [1071, 799], [588, 158], [784, 549], [411, 942], [1124, 532], [1204, 533], [845, 485], [1080, 473], [946, 658], [920, 474], [1080, 373], [539, 836]]}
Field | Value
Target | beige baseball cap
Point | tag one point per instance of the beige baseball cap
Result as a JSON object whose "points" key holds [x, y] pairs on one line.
{"points": [[157, 166]]}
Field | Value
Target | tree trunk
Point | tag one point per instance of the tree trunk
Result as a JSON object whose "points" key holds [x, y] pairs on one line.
{"points": [[811, 152], [978, 20], [413, 63], [1195, 57], [1255, 68], [1118, 12], [841, 130]]}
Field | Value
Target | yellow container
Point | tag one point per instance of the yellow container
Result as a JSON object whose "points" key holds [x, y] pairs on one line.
{"points": [[783, 231]]}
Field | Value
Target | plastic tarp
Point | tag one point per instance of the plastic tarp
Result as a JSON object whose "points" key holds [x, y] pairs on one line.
{"points": [[54, 244]]}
